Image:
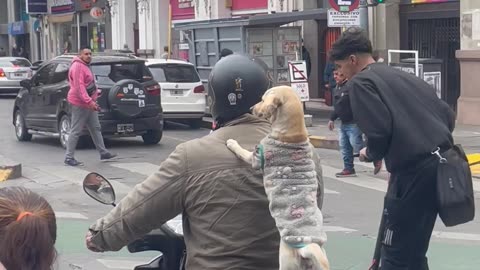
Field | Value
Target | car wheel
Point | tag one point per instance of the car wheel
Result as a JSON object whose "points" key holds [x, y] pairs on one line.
{"points": [[20, 128], [152, 137], [64, 127], [196, 123]]}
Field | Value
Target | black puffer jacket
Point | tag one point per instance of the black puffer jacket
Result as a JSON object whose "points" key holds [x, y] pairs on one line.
{"points": [[341, 105]]}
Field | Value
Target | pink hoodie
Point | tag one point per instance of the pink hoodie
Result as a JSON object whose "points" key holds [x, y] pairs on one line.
{"points": [[80, 76]]}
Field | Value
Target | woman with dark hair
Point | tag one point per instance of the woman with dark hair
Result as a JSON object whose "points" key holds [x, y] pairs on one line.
{"points": [[28, 230]]}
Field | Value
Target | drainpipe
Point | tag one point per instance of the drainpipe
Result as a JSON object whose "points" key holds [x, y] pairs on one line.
{"points": [[363, 14], [78, 31]]}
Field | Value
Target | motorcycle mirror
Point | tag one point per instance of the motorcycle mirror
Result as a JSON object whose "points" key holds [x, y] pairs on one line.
{"points": [[98, 187]]}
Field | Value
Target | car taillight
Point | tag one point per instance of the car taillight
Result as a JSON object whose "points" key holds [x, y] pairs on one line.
{"points": [[199, 89], [153, 90], [2, 73]]}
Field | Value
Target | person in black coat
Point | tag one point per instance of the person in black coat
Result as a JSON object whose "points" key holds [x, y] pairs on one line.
{"points": [[307, 59], [350, 137], [404, 122]]}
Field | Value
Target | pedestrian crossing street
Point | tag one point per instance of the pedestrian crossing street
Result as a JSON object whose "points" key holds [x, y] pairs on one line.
{"points": [[75, 175]]}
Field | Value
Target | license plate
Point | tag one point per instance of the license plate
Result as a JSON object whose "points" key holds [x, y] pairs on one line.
{"points": [[176, 92], [18, 75], [125, 128]]}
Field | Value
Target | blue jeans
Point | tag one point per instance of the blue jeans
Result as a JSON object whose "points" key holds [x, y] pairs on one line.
{"points": [[351, 142]]}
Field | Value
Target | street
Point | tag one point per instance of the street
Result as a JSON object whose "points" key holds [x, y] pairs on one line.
{"points": [[352, 206]]}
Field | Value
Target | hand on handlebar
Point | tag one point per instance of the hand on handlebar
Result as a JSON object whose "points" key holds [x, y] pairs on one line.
{"points": [[91, 246]]}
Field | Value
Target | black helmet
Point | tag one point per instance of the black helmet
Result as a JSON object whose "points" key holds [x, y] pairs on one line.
{"points": [[236, 83]]}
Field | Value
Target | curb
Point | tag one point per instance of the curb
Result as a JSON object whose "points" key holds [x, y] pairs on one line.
{"points": [[324, 142], [9, 169]]}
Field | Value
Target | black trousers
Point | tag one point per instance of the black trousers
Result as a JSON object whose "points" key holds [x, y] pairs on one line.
{"points": [[410, 212]]}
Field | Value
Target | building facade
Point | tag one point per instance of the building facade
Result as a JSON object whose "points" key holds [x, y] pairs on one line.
{"points": [[469, 57], [431, 27], [71, 24], [18, 31]]}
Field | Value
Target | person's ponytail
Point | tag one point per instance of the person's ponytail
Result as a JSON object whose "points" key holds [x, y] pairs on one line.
{"points": [[27, 231], [27, 244]]}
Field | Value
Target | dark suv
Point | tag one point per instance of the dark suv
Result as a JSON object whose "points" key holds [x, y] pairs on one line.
{"points": [[129, 99]]}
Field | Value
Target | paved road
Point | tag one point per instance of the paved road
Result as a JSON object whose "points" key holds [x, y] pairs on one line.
{"points": [[351, 207]]}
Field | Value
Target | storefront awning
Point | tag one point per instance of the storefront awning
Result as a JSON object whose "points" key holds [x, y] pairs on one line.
{"points": [[277, 19], [60, 18], [274, 19]]}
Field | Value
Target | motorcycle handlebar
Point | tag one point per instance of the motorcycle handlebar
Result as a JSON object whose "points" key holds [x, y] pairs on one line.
{"points": [[165, 240]]}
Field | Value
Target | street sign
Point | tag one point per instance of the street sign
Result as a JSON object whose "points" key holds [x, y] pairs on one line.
{"points": [[298, 71], [37, 7], [301, 88], [183, 46], [344, 5], [415, 53], [96, 13], [299, 79], [343, 19]]}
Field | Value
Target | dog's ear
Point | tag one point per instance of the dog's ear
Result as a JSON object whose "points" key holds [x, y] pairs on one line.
{"points": [[271, 106], [277, 102]]}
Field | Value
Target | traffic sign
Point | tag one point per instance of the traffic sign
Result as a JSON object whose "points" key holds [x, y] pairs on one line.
{"points": [[344, 5], [298, 71], [343, 19], [301, 88]]}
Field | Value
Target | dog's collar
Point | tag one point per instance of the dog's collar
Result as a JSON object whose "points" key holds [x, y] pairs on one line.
{"points": [[299, 245], [262, 158]]}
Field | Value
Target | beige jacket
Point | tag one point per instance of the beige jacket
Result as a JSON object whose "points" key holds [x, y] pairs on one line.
{"points": [[226, 220]]}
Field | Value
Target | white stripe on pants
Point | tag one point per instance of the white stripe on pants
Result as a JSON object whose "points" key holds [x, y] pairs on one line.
{"points": [[80, 118]]}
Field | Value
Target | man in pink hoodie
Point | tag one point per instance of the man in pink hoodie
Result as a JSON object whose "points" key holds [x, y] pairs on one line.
{"points": [[82, 97]]}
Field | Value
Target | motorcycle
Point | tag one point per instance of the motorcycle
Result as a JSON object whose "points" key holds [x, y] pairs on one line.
{"points": [[168, 239]]}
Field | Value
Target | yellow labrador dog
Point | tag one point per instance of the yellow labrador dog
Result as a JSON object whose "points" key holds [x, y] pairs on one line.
{"points": [[290, 180]]}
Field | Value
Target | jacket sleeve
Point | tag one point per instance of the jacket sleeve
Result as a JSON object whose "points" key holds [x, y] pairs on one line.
{"points": [[318, 170], [450, 117], [95, 96], [334, 114], [148, 206], [372, 117]]}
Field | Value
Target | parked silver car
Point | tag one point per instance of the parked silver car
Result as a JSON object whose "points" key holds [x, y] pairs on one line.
{"points": [[12, 71]]}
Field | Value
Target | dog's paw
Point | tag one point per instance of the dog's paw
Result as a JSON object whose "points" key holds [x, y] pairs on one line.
{"points": [[232, 144]]}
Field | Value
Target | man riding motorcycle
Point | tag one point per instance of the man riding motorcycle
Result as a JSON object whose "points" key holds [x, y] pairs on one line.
{"points": [[226, 220]]}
